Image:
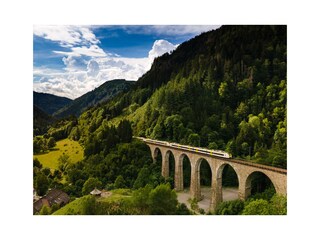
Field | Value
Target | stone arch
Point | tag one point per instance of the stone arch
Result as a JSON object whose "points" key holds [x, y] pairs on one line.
{"points": [[219, 177], [195, 187], [166, 168], [221, 168], [156, 153], [180, 173], [251, 176]]}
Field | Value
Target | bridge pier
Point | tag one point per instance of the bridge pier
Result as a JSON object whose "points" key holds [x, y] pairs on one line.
{"points": [[195, 190], [244, 189], [165, 166], [216, 196], [178, 173]]}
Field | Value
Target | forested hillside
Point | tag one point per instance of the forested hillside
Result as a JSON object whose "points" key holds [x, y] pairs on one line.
{"points": [[225, 89], [41, 121], [49, 103], [101, 94]]}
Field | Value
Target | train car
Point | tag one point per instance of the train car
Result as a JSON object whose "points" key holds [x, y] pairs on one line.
{"points": [[217, 153]]}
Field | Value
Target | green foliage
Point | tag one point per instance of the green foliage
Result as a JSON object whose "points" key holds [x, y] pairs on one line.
{"points": [[278, 205], [182, 209], [124, 131], [194, 204], [45, 210], [126, 159], [120, 182], [51, 142], [63, 162], [163, 200], [91, 184], [267, 194], [140, 199], [41, 184], [230, 208], [257, 207], [194, 140], [142, 179], [89, 205], [36, 163]]}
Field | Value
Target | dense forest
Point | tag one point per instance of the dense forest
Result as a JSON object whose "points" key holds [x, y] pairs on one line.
{"points": [[224, 89], [49, 103]]}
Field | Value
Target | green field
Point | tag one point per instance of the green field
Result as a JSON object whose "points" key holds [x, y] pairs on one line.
{"points": [[66, 146]]}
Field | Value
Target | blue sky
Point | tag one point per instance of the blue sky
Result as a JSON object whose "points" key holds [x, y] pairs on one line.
{"points": [[72, 60]]}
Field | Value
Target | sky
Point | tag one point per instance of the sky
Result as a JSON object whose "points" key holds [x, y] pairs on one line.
{"points": [[71, 60]]}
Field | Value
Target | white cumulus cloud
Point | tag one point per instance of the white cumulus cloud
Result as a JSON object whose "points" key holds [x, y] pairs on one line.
{"points": [[93, 68], [161, 47], [92, 51], [87, 68], [66, 36]]}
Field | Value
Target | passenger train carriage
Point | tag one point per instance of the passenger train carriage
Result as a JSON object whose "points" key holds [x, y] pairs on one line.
{"points": [[212, 152]]}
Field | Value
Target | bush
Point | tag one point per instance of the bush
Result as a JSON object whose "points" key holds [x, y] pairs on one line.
{"points": [[230, 208], [163, 200], [182, 209], [278, 205], [45, 210], [257, 207], [120, 182]]}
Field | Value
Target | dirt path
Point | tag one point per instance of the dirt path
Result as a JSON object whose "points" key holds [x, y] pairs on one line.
{"points": [[227, 193]]}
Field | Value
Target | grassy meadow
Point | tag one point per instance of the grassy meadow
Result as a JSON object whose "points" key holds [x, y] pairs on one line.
{"points": [[66, 146]]}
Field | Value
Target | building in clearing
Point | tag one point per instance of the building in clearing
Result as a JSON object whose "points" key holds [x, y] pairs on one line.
{"points": [[95, 192], [54, 196]]}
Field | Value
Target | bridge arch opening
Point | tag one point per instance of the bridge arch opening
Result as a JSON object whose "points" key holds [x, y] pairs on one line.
{"points": [[169, 168], [185, 166], [204, 179], [259, 184], [157, 156], [229, 182]]}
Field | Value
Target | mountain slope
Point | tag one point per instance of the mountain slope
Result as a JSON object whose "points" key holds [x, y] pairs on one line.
{"points": [[101, 94], [41, 121], [224, 89], [49, 103]]}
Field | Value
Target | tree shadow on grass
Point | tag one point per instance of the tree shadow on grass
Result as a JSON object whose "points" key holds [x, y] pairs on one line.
{"points": [[43, 153]]}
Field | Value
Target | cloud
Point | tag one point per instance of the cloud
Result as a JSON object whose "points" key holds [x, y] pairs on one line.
{"points": [[66, 36], [170, 30], [92, 68], [92, 51], [182, 29], [86, 69], [161, 47]]}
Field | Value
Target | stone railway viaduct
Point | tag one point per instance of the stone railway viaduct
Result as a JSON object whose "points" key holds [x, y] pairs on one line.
{"points": [[243, 169]]}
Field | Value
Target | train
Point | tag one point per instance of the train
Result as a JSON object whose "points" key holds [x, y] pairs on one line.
{"points": [[218, 153]]}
